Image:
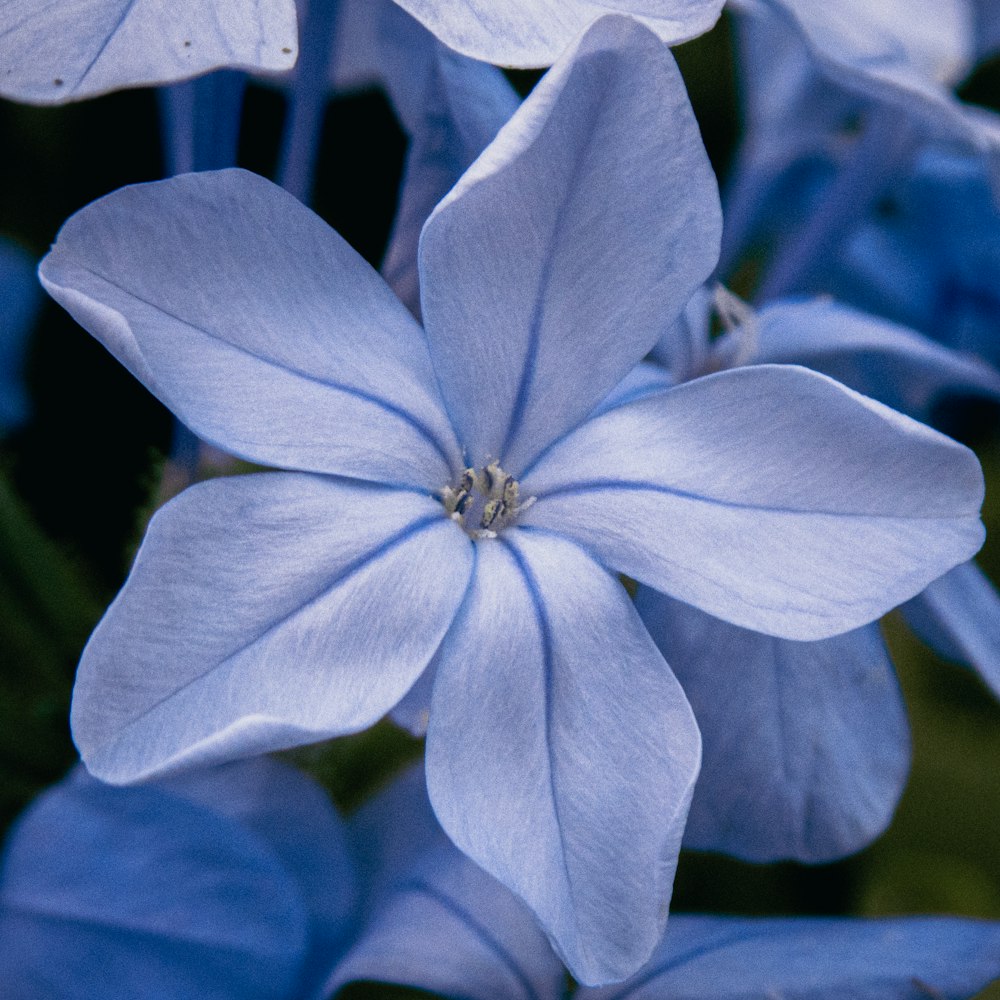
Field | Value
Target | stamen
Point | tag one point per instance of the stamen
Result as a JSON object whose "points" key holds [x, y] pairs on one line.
{"points": [[490, 497]]}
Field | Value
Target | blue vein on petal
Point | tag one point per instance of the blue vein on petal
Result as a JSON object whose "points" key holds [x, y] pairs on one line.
{"points": [[412, 529], [103, 47], [638, 486], [398, 411], [538, 309], [421, 887], [542, 618]]}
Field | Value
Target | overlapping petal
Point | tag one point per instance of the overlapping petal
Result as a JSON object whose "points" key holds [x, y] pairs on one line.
{"points": [[55, 52], [264, 612], [959, 615], [805, 744], [553, 289], [561, 752], [260, 328], [737, 493], [729, 958], [535, 32], [437, 921], [897, 366], [132, 892]]}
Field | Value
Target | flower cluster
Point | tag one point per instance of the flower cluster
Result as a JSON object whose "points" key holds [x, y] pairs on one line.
{"points": [[612, 541]]}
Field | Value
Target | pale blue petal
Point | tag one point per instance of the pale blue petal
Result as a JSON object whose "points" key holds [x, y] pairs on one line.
{"points": [[569, 245], [55, 52], [644, 380], [258, 326], [20, 299], [561, 752], [769, 496], [959, 615], [534, 32], [897, 366], [109, 892], [438, 922], [805, 744], [264, 612], [730, 958]]}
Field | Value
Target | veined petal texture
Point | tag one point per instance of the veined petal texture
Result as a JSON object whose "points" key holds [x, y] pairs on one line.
{"points": [[258, 326], [805, 746], [730, 958], [561, 752], [534, 32], [437, 921], [769, 496], [264, 612], [568, 247], [167, 889], [52, 52]]}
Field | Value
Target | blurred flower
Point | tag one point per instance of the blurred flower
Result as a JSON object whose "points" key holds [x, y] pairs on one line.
{"points": [[20, 300], [441, 542], [235, 882]]}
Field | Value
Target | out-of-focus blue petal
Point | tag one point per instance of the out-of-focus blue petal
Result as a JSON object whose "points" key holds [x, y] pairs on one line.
{"points": [[55, 52], [895, 365], [561, 751], [959, 615], [770, 496], [167, 890], [20, 299], [540, 289], [264, 612], [805, 744], [437, 921], [534, 32], [258, 326], [730, 958]]}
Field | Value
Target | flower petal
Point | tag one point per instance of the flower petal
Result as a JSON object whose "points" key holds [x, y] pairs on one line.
{"points": [[959, 615], [561, 752], [258, 326], [265, 612], [805, 744], [770, 496], [556, 262], [141, 892], [897, 366], [441, 923], [732, 958], [531, 33], [56, 52]]}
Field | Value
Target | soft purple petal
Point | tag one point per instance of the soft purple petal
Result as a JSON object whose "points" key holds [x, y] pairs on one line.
{"points": [[264, 612], [568, 246], [55, 52], [805, 748], [561, 752], [437, 921], [731, 958], [959, 615], [109, 892], [769, 496], [535, 32], [897, 366], [258, 326]]}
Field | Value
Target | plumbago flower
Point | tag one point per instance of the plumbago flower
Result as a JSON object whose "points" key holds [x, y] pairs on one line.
{"points": [[806, 750], [233, 883], [461, 500], [56, 52]]}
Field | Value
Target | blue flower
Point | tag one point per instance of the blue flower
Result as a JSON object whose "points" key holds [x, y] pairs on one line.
{"points": [[451, 533], [20, 300], [56, 52], [234, 883], [806, 749]]}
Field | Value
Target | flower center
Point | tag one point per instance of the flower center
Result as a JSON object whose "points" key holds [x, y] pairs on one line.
{"points": [[484, 502]]}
